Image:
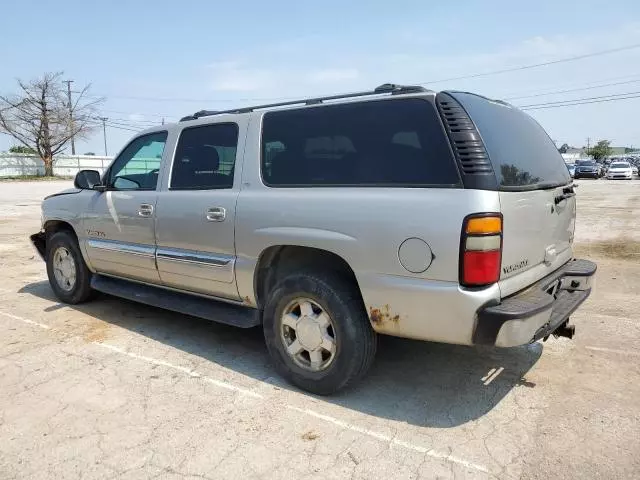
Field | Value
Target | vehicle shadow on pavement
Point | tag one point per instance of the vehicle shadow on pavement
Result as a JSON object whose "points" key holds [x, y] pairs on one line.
{"points": [[421, 383]]}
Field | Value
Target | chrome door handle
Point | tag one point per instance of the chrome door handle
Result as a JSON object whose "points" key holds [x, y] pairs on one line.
{"points": [[145, 210], [216, 214]]}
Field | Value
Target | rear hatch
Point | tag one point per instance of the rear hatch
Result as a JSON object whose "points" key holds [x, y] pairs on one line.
{"points": [[534, 187]]}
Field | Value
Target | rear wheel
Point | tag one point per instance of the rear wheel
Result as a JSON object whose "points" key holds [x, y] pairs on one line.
{"points": [[68, 274], [317, 332]]}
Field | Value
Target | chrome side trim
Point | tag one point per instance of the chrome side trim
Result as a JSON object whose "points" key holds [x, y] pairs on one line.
{"points": [[121, 247], [188, 256]]}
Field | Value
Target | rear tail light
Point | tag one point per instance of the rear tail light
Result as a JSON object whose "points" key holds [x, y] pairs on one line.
{"points": [[481, 249]]}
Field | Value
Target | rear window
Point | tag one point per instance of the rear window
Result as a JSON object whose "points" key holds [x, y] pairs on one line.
{"points": [[620, 165], [522, 154], [376, 143]]}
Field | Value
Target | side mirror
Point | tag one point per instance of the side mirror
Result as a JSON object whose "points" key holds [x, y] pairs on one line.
{"points": [[87, 180]]}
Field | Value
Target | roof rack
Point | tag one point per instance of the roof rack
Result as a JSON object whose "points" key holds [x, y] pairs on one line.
{"points": [[391, 88]]}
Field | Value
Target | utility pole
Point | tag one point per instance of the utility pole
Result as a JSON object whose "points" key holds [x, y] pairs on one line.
{"points": [[162, 120], [104, 133], [73, 143]]}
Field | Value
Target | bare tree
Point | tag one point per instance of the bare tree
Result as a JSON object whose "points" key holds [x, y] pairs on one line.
{"points": [[40, 117]]}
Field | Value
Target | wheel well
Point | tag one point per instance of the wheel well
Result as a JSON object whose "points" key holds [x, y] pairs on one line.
{"points": [[55, 226], [277, 261]]}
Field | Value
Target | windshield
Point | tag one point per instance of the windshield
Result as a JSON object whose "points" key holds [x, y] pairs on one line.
{"points": [[522, 154], [587, 164], [620, 165]]}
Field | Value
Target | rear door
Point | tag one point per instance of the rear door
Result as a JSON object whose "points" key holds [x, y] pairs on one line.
{"points": [[536, 196], [196, 213]]}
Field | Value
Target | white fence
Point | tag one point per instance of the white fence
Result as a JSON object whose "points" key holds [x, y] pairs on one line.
{"points": [[17, 164]]}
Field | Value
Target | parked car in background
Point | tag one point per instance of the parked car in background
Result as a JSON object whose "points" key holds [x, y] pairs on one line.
{"points": [[620, 170], [572, 169], [587, 169]]}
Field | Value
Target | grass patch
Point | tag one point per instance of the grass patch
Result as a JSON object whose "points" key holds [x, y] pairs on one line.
{"points": [[619, 248], [34, 178]]}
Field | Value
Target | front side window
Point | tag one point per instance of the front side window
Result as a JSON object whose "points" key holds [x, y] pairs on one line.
{"points": [[374, 143], [138, 165], [205, 157]]}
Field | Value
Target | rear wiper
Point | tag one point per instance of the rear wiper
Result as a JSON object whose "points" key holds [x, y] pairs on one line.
{"points": [[567, 192]]}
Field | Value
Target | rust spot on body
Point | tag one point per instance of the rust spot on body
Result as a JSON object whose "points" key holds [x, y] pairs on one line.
{"points": [[380, 316]]}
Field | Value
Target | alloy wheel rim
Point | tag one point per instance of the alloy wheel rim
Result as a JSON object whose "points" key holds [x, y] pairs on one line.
{"points": [[308, 335], [64, 269]]}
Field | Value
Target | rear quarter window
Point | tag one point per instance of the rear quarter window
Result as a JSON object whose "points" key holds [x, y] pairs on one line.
{"points": [[375, 143], [522, 154]]}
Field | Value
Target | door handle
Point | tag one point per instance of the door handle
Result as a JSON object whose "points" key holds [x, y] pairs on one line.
{"points": [[145, 210], [216, 214]]}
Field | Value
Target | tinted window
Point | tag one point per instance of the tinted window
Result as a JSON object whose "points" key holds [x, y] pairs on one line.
{"points": [[137, 167], [205, 157], [390, 142], [522, 154]]}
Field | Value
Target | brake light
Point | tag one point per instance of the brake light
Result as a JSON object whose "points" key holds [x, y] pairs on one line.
{"points": [[481, 249]]}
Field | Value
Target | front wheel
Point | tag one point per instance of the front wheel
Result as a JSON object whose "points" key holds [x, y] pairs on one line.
{"points": [[68, 274], [317, 332]]}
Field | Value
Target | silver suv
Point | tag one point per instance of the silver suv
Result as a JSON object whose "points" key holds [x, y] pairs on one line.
{"points": [[446, 217]]}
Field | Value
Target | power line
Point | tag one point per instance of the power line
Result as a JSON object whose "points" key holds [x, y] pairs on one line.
{"points": [[543, 107], [578, 99], [462, 77], [533, 91], [532, 95], [534, 65], [117, 127], [573, 90]]}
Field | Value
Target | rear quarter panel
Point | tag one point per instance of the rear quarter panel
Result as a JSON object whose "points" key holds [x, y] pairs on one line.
{"points": [[364, 226]]}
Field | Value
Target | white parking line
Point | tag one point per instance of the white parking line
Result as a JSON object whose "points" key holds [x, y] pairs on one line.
{"points": [[185, 370], [391, 440], [326, 418], [25, 320], [614, 350]]}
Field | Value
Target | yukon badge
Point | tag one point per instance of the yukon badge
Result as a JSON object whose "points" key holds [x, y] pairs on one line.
{"points": [[515, 267]]}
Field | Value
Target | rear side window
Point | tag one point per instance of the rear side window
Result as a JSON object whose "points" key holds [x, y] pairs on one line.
{"points": [[205, 157], [377, 143], [522, 154]]}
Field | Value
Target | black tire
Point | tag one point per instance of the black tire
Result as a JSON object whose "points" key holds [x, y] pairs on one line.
{"points": [[81, 290], [355, 339]]}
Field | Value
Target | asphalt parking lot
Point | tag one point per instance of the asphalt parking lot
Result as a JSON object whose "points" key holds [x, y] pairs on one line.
{"points": [[112, 389]]}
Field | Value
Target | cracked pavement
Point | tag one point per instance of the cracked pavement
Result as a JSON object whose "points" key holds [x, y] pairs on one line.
{"points": [[112, 389]]}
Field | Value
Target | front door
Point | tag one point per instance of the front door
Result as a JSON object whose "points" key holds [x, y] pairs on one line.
{"points": [[119, 224], [196, 213]]}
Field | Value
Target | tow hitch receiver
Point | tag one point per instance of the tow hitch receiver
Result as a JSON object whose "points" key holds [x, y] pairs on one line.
{"points": [[564, 330]]}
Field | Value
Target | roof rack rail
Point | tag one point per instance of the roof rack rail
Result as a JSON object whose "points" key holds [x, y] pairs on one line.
{"points": [[391, 88]]}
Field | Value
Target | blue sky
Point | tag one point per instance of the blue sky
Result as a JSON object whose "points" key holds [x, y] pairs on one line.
{"points": [[170, 58]]}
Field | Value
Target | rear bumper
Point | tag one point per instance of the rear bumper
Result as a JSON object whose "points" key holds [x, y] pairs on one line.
{"points": [[38, 240], [538, 311]]}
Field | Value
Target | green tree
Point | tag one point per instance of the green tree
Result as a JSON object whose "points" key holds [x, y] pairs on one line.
{"points": [[22, 149], [563, 148], [601, 150]]}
